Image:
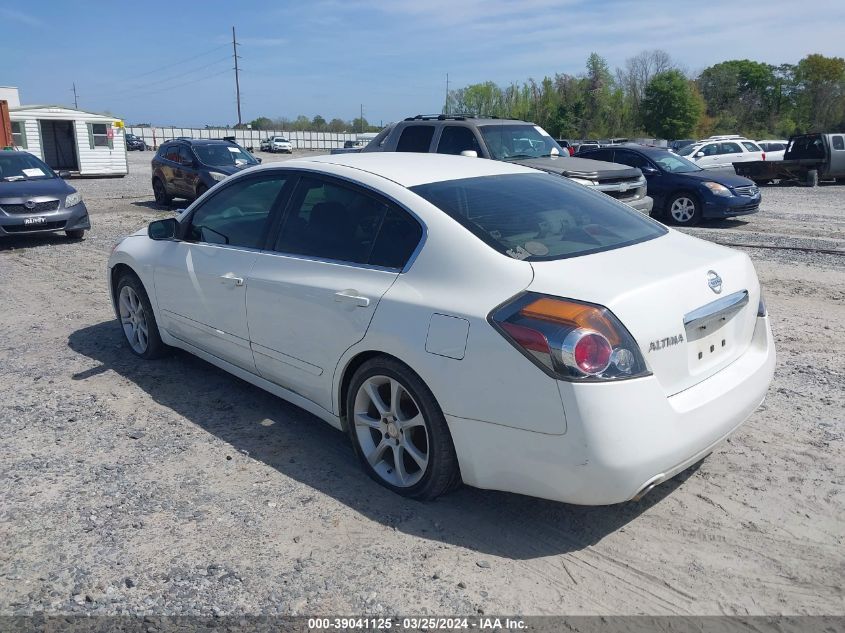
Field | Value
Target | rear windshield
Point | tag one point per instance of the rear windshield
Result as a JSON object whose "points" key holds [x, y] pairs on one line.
{"points": [[538, 217], [223, 155], [23, 167]]}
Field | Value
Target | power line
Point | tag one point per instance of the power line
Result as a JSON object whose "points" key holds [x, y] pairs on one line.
{"points": [[182, 61], [165, 88], [135, 89]]}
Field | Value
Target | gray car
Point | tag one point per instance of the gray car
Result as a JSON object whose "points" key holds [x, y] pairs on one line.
{"points": [[35, 199]]}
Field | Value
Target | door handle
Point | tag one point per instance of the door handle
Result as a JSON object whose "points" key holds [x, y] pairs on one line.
{"points": [[229, 278], [352, 296]]}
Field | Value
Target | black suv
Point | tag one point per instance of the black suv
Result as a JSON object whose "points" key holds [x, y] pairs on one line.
{"points": [[512, 141], [187, 168]]}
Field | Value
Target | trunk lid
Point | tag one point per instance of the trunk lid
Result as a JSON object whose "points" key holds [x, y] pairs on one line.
{"points": [[653, 288]]}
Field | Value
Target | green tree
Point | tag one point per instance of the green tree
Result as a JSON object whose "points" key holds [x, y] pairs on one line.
{"points": [[670, 108], [598, 98], [318, 123], [261, 123], [820, 84]]}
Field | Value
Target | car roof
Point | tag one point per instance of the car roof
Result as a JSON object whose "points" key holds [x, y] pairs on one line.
{"points": [[410, 169]]}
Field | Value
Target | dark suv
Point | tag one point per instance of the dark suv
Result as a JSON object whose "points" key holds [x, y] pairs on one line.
{"points": [[515, 142], [187, 168]]}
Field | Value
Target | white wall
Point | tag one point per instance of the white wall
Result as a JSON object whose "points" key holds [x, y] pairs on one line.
{"points": [[100, 160], [155, 136]]}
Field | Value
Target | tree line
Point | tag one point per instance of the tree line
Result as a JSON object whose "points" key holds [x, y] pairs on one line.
{"points": [[653, 96], [316, 124]]}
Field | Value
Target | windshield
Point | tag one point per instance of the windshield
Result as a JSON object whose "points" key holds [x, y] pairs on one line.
{"points": [[539, 217], [23, 167], [510, 142], [686, 151], [224, 155], [675, 164]]}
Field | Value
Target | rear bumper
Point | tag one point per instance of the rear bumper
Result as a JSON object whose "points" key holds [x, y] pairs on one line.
{"points": [[622, 438], [66, 219]]}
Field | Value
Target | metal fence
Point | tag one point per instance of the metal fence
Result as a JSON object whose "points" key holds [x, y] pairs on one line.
{"points": [[155, 136]]}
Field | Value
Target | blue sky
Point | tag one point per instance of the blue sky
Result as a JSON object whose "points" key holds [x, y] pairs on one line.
{"points": [[169, 63]]}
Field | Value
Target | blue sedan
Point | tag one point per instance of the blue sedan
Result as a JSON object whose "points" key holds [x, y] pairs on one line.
{"points": [[683, 193]]}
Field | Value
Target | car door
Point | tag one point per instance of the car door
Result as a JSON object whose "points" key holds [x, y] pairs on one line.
{"points": [[730, 153], [707, 156], [657, 185], [339, 249], [188, 175], [201, 281]]}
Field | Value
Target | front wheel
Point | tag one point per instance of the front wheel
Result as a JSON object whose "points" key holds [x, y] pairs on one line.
{"points": [[75, 234], [137, 320], [399, 432], [684, 209]]}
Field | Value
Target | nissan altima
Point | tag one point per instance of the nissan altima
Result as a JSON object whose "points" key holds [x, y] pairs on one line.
{"points": [[462, 320]]}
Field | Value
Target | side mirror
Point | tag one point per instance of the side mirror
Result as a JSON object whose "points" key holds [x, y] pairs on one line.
{"points": [[554, 152], [257, 158], [470, 153], [649, 171], [64, 174], [167, 229], [187, 162], [699, 154]]}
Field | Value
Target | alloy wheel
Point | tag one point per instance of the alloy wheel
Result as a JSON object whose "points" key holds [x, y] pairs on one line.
{"points": [[391, 431], [683, 210], [133, 318]]}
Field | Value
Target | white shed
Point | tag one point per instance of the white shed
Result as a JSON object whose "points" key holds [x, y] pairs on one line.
{"points": [[83, 143]]}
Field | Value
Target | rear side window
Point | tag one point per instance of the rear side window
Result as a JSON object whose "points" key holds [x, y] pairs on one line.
{"points": [[539, 217], [456, 139], [415, 138], [838, 143], [751, 147], [731, 148], [599, 154], [328, 220]]}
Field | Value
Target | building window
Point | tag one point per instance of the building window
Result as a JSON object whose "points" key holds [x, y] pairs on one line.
{"points": [[98, 135], [18, 134]]}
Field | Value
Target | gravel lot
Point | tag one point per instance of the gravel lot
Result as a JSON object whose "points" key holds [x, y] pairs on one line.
{"points": [[171, 487]]}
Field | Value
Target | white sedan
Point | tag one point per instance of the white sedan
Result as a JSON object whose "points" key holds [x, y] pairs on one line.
{"points": [[462, 320]]}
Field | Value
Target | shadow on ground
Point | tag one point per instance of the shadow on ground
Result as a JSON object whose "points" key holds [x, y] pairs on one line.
{"points": [[34, 240], [306, 449]]}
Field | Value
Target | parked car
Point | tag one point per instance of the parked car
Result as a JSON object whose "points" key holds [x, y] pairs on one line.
{"points": [[722, 152], [680, 144], [187, 168], [264, 146], [584, 146], [280, 144], [135, 143], [567, 145], [35, 199], [683, 192], [774, 149], [809, 158], [511, 141], [462, 320], [350, 147]]}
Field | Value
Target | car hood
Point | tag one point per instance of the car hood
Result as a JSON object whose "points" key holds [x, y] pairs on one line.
{"points": [[728, 180], [34, 188], [573, 167], [230, 169]]}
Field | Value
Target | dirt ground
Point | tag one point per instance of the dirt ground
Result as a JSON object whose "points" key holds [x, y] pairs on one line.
{"points": [[172, 487]]}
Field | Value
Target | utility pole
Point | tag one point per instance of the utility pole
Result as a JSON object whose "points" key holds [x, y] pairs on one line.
{"points": [[446, 107], [237, 79], [362, 118], [75, 97]]}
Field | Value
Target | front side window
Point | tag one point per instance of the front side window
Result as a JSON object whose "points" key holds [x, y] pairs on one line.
{"points": [[18, 134], [223, 155], [539, 217], [631, 159], [331, 221], [509, 141], [456, 139], [238, 214], [172, 153], [838, 143], [185, 154], [415, 138], [676, 164]]}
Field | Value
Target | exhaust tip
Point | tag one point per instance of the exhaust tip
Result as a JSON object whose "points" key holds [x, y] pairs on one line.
{"points": [[649, 485]]}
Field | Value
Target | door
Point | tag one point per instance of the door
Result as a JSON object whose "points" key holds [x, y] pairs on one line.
{"points": [[707, 157], [187, 176], [338, 251], [729, 153], [655, 179], [201, 281]]}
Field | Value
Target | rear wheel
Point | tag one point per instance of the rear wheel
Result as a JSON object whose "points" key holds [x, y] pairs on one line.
{"points": [[160, 192], [399, 432], [75, 234], [137, 320], [684, 209]]}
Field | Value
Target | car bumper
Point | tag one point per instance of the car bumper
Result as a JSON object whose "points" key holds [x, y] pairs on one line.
{"points": [[66, 219], [644, 204], [730, 207], [622, 438]]}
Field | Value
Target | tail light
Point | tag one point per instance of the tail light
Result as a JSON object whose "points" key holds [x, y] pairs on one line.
{"points": [[570, 340], [764, 155]]}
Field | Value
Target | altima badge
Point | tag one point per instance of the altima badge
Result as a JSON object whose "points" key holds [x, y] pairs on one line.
{"points": [[663, 343], [714, 281]]}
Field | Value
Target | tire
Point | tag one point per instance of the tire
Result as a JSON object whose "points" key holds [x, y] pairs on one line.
{"points": [[201, 189], [683, 209], [812, 179], [137, 320], [160, 193], [415, 431], [75, 234]]}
